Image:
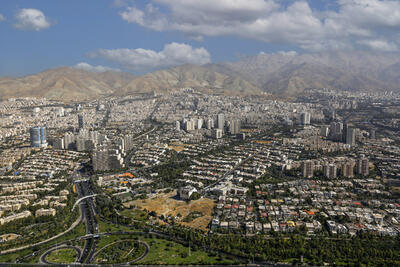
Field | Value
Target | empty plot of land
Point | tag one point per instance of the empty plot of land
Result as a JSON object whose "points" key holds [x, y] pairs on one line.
{"points": [[167, 205]]}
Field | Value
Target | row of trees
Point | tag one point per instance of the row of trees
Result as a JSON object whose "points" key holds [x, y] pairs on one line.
{"points": [[363, 249]]}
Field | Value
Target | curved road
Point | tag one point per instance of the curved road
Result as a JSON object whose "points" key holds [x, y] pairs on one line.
{"points": [[75, 224], [44, 255], [147, 247]]}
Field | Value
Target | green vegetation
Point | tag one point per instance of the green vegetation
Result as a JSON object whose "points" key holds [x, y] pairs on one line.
{"points": [[105, 226], [26, 254], [121, 252], [64, 255], [135, 214], [168, 252], [193, 215], [365, 249], [35, 229]]}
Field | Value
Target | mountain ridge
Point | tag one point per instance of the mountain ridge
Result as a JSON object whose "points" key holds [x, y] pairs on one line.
{"points": [[278, 74]]}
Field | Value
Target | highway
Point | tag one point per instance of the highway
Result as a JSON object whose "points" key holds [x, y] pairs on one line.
{"points": [[88, 212]]}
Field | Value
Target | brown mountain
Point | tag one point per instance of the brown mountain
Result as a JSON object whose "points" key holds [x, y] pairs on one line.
{"points": [[199, 77], [64, 84], [279, 74], [291, 74]]}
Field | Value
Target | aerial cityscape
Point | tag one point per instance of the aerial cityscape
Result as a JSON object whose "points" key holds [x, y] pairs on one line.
{"points": [[208, 151]]}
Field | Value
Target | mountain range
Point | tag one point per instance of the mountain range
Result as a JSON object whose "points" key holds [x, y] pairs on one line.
{"points": [[282, 74]]}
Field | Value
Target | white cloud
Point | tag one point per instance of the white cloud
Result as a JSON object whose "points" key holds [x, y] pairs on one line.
{"points": [[31, 19], [2, 18], [87, 67], [173, 54], [288, 53], [379, 45], [272, 22]]}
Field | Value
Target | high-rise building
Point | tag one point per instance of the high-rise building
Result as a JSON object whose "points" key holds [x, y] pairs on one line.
{"points": [[80, 144], [58, 143], [210, 124], [372, 134], [107, 159], [324, 131], [335, 131], [81, 122], [234, 127], [178, 125], [217, 133], [363, 166], [221, 121], [351, 136], [344, 132], [100, 160], [307, 169], [128, 140], [38, 136], [305, 118], [199, 123], [348, 169], [69, 140], [189, 125], [330, 171]]}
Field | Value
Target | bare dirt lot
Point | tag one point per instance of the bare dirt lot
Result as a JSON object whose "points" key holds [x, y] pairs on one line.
{"points": [[167, 205]]}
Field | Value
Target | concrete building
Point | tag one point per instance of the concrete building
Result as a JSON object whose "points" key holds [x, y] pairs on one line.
{"points": [[186, 192], [128, 141], [351, 136], [307, 169], [234, 127], [305, 118], [45, 212], [14, 217], [69, 140], [372, 134], [199, 123], [363, 166], [81, 122], [189, 125], [210, 124], [324, 131], [58, 143], [348, 169], [330, 171], [221, 121], [38, 136], [217, 133], [105, 159]]}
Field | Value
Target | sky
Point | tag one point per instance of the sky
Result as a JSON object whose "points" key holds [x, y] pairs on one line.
{"points": [[139, 36]]}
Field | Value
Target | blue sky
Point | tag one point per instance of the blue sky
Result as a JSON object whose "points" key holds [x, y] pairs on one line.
{"points": [[140, 36]]}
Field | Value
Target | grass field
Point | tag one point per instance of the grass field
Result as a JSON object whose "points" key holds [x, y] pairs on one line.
{"points": [[65, 255], [168, 252], [122, 251], [110, 227], [138, 215], [165, 204]]}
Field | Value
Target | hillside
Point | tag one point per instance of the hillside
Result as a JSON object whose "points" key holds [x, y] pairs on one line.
{"points": [[64, 84], [291, 74], [280, 74], [189, 76]]}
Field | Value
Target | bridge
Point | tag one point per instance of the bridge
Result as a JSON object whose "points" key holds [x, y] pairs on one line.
{"points": [[82, 198]]}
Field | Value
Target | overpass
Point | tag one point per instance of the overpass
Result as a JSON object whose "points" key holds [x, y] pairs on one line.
{"points": [[82, 198]]}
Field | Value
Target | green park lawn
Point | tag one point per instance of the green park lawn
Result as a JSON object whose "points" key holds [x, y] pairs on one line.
{"points": [[64, 255]]}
